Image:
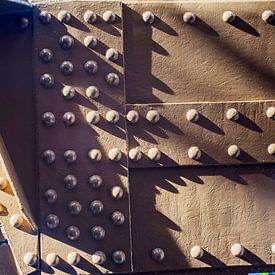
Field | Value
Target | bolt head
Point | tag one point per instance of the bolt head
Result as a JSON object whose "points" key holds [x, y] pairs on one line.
{"points": [[268, 16], [48, 119], [192, 115], [109, 16], [30, 259], [196, 252], [194, 152], [93, 117], [98, 232], [111, 54], [47, 80], [90, 41], [68, 92], [148, 17], [132, 116], [66, 42], [135, 154], [95, 181], [16, 221], [52, 259], [114, 154], [158, 254], [45, 17], [74, 207], [96, 207], [118, 257], [73, 258], [70, 181], [3, 183], [233, 151], [270, 113], [112, 79], [98, 257], [112, 116], [118, 218], [154, 154], [237, 250], [271, 149], [64, 17], [52, 221], [50, 196], [48, 157], [189, 18], [92, 92], [153, 116], [72, 232], [95, 155], [232, 114], [46, 55], [228, 17], [68, 118], [66, 67], [116, 192], [90, 17]]}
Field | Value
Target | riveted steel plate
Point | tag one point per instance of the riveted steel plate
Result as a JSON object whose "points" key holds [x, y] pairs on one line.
{"points": [[172, 61], [81, 137], [213, 133], [176, 209]]}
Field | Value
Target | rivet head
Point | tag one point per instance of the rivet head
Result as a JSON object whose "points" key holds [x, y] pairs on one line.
{"points": [[47, 80], [98, 232], [98, 257], [135, 154], [116, 192], [92, 92], [271, 149], [95, 181], [112, 79], [233, 151], [72, 232], [154, 154], [112, 116], [48, 157], [153, 116], [52, 259], [118, 257], [93, 117], [90, 41], [270, 113], [273, 248], [237, 250], [48, 119], [30, 259], [132, 116], [70, 156], [109, 16], [192, 115], [228, 17], [68, 92], [196, 252], [46, 55], [232, 114], [90, 17], [66, 67], [66, 42], [16, 221], [148, 17], [158, 254], [74, 207], [189, 17], [111, 54], [70, 181], [117, 218], [24, 23], [194, 152], [68, 118], [73, 258], [114, 154], [52, 221], [268, 16], [3, 183], [64, 17], [50, 196], [96, 207], [45, 17], [90, 67], [95, 155]]}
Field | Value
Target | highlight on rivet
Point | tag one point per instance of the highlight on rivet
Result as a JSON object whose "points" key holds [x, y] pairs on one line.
{"points": [[48, 119], [228, 17], [3, 183], [70, 181], [196, 252], [111, 54], [50, 196], [132, 116], [232, 114], [52, 259], [90, 41], [194, 152], [233, 151], [93, 117], [52, 221], [90, 67], [66, 42], [48, 156], [189, 17], [135, 154], [268, 16], [109, 16], [95, 155], [116, 192], [30, 259], [70, 156], [118, 257], [95, 181], [90, 17], [16, 221], [115, 154], [153, 116], [148, 17], [72, 232], [66, 67], [270, 112], [237, 250], [158, 254], [271, 149], [24, 23], [112, 79], [96, 207], [68, 92], [117, 218], [273, 248], [46, 55], [74, 207], [68, 118], [64, 17], [45, 17], [112, 116], [154, 154], [73, 258], [192, 115], [98, 232], [92, 92], [98, 257], [47, 80]]}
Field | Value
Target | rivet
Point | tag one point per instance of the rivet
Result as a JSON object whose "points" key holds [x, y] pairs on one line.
{"points": [[154, 154], [93, 117], [47, 80], [52, 221], [3, 183], [66, 67], [70, 156], [196, 252], [48, 156], [228, 17], [90, 67], [189, 18], [46, 55], [232, 114], [95, 181], [111, 54], [273, 248], [73, 258], [135, 154], [98, 257], [50, 196], [90, 17], [117, 218], [268, 16], [116, 192], [153, 116], [158, 254], [52, 259], [64, 17], [192, 115], [68, 92], [66, 42], [68, 118], [72, 232], [24, 23], [95, 155], [194, 152], [118, 257], [233, 151], [30, 259], [16, 221], [48, 119], [112, 79], [90, 41], [96, 207], [70, 181], [271, 149], [45, 17], [237, 250], [148, 17], [132, 116], [270, 113], [109, 16], [98, 232], [74, 207], [112, 116], [114, 154], [92, 92]]}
